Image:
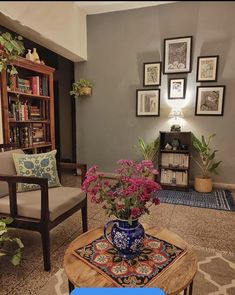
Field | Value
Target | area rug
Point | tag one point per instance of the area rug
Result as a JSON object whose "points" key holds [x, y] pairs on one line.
{"points": [[217, 199], [215, 276]]}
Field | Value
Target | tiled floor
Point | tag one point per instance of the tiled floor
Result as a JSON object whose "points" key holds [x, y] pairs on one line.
{"points": [[200, 227]]}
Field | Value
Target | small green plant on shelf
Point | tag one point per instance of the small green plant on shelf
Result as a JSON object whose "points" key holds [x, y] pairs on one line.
{"points": [[148, 150], [10, 49], [9, 246], [207, 155], [82, 87]]}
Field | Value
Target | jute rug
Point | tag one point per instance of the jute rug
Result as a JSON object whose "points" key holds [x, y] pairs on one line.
{"points": [[218, 199], [215, 276]]}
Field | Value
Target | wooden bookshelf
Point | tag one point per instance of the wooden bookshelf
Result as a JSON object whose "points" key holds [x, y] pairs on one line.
{"points": [[174, 162], [28, 106]]}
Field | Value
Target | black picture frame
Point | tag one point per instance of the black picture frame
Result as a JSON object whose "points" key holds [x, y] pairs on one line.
{"points": [[154, 78], [173, 62], [206, 72], [179, 92], [210, 100], [148, 102]]}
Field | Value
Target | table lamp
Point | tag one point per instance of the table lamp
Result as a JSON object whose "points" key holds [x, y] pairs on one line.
{"points": [[176, 114]]}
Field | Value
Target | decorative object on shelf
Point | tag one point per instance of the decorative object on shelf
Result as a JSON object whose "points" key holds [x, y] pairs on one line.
{"points": [[148, 150], [148, 102], [152, 74], [207, 68], [9, 246], [175, 144], [83, 87], [29, 55], [168, 147], [10, 49], [210, 101], [35, 56], [176, 114], [177, 88], [207, 163], [127, 197], [177, 55]]}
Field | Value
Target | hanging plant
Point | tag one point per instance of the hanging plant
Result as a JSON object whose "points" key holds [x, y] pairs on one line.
{"points": [[82, 87], [10, 49]]}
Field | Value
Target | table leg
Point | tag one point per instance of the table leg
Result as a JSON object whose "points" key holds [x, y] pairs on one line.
{"points": [[71, 286], [191, 288]]}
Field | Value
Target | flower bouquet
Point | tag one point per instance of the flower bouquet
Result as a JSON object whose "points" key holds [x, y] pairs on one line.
{"points": [[127, 197]]}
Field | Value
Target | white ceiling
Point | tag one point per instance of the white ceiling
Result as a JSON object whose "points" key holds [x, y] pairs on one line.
{"points": [[94, 7]]}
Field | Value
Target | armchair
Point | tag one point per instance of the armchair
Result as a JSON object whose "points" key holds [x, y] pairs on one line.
{"points": [[43, 209]]}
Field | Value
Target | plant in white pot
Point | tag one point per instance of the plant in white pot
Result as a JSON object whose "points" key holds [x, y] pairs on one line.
{"points": [[207, 164], [82, 87]]}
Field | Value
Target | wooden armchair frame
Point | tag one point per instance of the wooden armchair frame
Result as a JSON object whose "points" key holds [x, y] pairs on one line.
{"points": [[43, 225]]}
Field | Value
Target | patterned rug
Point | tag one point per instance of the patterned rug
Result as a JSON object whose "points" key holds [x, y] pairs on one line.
{"points": [[215, 276], [217, 199], [155, 257]]}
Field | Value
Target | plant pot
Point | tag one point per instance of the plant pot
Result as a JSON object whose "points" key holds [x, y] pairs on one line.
{"points": [[203, 185], [85, 91]]}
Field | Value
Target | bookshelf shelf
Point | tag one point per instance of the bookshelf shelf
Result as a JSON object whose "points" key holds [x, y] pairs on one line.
{"points": [[174, 164], [29, 121], [28, 106], [28, 95]]}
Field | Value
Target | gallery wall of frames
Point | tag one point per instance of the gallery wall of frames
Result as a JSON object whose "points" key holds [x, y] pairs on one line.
{"points": [[177, 60]]}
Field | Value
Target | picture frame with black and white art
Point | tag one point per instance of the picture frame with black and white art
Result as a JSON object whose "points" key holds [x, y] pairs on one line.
{"points": [[148, 102], [207, 68], [152, 73], [177, 88], [210, 101], [177, 55]]}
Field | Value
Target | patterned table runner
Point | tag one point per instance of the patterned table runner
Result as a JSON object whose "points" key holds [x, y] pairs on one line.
{"points": [[157, 255]]}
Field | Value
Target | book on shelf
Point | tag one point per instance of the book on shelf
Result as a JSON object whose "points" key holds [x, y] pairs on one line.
{"points": [[24, 110], [21, 136], [37, 85], [174, 177], [175, 160]]}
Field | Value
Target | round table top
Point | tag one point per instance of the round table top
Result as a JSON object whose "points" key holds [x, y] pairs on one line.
{"points": [[172, 281]]}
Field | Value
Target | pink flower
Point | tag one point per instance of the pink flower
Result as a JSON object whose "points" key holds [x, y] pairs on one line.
{"points": [[156, 201], [135, 212], [129, 195]]}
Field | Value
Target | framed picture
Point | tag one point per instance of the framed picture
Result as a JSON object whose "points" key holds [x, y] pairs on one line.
{"points": [[210, 101], [207, 68], [177, 88], [148, 102], [152, 74], [177, 55]]}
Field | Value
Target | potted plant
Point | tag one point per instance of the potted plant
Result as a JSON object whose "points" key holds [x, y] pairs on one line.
{"points": [[10, 49], [207, 163], [9, 246], [148, 150], [82, 87]]}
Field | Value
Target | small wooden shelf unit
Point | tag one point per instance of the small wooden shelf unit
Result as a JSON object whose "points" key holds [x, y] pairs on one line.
{"points": [[174, 164], [28, 106]]}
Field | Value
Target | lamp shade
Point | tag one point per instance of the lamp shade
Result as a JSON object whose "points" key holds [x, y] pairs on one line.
{"points": [[176, 113]]}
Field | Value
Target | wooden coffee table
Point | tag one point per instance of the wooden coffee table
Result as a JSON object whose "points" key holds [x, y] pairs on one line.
{"points": [[178, 277]]}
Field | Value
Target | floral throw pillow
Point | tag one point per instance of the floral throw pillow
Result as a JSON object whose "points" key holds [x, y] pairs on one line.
{"points": [[40, 165]]}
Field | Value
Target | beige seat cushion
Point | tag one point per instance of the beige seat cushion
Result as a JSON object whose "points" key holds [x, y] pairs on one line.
{"points": [[61, 199], [7, 166]]}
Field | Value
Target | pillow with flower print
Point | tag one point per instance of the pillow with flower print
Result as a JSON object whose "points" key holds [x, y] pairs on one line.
{"points": [[39, 165]]}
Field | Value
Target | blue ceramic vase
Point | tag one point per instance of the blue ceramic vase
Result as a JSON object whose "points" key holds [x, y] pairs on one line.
{"points": [[127, 239]]}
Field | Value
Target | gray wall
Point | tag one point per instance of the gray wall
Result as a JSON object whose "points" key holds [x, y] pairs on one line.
{"points": [[118, 45]]}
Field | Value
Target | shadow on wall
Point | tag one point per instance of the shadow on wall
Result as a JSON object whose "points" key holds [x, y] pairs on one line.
{"points": [[221, 46]]}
